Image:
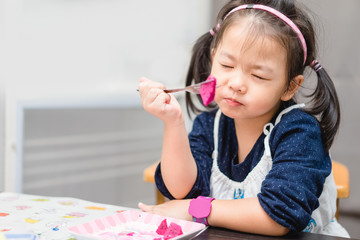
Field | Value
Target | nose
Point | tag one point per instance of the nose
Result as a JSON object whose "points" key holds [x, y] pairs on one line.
{"points": [[238, 83]]}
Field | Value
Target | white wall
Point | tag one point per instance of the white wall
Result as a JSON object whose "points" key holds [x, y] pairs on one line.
{"points": [[2, 97], [99, 41], [2, 136], [90, 51]]}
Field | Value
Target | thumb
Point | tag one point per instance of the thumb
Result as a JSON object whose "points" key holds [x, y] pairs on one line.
{"points": [[145, 207]]}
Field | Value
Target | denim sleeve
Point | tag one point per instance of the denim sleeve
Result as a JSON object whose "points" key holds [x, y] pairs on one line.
{"points": [[202, 145], [290, 191]]}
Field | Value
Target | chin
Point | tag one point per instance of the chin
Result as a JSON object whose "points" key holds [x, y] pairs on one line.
{"points": [[231, 113]]}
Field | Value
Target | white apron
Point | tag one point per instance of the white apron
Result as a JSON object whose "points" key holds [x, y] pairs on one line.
{"points": [[323, 219]]}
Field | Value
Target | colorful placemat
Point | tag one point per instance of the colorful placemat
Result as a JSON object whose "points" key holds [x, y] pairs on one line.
{"points": [[48, 217]]}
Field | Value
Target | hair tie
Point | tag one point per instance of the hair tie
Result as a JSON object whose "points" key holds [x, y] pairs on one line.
{"points": [[212, 32], [315, 65], [277, 14]]}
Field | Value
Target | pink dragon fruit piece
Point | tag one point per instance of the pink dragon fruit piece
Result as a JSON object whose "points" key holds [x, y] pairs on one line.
{"points": [[173, 230], [162, 227], [207, 90]]}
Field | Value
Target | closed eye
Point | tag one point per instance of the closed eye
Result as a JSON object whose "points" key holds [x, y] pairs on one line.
{"points": [[259, 77], [226, 66]]}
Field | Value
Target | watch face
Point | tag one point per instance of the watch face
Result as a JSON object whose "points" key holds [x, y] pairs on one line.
{"points": [[200, 207]]}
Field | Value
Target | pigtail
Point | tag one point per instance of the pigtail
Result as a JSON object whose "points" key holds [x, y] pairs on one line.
{"points": [[325, 105], [199, 69]]}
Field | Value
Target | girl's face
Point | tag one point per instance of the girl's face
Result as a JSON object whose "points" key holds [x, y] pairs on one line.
{"points": [[252, 76]]}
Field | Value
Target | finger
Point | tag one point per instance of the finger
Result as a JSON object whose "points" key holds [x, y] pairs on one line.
{"points": [[147, 86], [162, 98], [153, 98], [145, 207], [143, 85], [173, 100], [144, 79]]}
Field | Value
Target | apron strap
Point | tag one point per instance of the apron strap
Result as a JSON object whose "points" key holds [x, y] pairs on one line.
{"points": [[216, 133], [269, 126], [286, 110], [267, 130]]}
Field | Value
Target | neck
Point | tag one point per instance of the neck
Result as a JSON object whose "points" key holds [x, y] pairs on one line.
{"points": [[247, 133]]}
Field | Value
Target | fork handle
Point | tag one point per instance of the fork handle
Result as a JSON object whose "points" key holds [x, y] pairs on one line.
{"points": [[174, 90]]}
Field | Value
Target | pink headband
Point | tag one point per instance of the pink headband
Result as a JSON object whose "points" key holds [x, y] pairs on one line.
{"points": [[277, 14]]}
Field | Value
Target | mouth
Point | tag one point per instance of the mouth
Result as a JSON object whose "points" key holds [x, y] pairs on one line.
{"points": [[232, 102]]}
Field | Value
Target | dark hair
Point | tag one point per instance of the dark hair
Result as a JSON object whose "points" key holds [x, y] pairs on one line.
{"points": [[324, 103]]}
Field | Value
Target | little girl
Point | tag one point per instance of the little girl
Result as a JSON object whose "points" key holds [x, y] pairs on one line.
{"points": [[260, 162]]}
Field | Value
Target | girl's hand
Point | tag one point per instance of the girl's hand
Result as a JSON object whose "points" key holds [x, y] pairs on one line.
{"points": [[173, 208], [160, 104]]}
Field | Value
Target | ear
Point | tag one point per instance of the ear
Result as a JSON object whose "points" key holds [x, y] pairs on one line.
{"points": [[295, 83]]}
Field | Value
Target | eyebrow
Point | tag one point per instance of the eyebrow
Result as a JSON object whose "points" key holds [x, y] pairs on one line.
{"points": [[227, 55], [262, 68], [253, 65]]}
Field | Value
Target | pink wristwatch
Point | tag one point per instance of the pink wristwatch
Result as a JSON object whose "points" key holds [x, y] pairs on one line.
{"points": [[200, 209]]}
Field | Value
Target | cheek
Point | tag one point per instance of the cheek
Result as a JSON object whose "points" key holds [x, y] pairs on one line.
{"points": [[216, 70], [265, 97], [217, 94], [265, 92]]}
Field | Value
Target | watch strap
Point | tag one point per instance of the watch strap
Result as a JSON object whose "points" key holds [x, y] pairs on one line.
{"points": [[200, 209]]}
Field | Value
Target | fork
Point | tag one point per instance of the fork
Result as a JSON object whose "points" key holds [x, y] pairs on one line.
{"points": [[192, 88]]}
